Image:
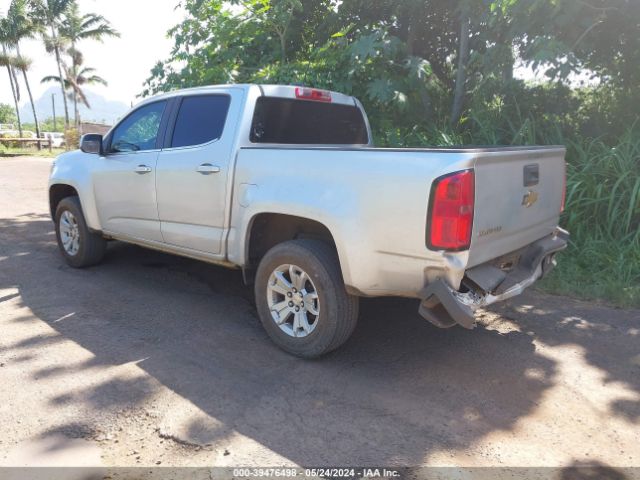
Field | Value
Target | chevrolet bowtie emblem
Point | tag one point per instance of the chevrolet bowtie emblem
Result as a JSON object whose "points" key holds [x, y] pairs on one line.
{"points": [[530, 198]]}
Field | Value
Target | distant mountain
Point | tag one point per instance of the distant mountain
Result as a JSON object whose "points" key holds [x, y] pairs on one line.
{"points": [[102, 110]]}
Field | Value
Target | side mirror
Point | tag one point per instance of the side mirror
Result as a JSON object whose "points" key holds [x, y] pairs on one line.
{"points": [[91, 143]]}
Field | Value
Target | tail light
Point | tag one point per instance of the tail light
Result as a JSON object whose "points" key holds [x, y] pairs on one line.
{"points": [[313, 94], [451, 212], [564, 189]]}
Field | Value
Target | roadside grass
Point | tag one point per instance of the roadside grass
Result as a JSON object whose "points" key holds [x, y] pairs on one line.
{"points": [[32, 152], [597, 270]]}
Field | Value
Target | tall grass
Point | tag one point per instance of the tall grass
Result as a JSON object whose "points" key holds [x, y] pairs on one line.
{"points": [[604, 185], [603, 215]]}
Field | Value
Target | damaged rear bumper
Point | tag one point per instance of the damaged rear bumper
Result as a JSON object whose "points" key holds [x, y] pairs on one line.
{"points": [[491, 282]]}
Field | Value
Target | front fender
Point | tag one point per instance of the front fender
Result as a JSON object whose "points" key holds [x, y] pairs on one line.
{"points": [[71, 169]]}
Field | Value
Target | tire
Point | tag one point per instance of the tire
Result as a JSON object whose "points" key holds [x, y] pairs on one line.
{"points": [[90, 247], [337, 310]]}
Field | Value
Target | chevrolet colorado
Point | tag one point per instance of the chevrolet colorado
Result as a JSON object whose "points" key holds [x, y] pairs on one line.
{"points": [[284, 183]]}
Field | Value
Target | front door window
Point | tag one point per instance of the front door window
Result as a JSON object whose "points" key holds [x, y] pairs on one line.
{"points": [[139, 131]]}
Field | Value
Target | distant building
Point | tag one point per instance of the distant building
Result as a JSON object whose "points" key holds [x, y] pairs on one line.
{"points": [[89, 127]]}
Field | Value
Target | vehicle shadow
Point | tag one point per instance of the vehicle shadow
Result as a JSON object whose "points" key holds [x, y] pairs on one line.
{"points": [[609, 339], [397, 392], [592, 471]]}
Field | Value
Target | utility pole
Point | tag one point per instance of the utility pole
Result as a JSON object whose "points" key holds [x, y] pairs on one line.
{"points": [[53, 106]]}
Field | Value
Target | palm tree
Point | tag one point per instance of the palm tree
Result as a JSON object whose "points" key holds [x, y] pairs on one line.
{"points": [[49, 14], [24, 64], [74, 28], [76, 76], [19, 27], [90, 26], [8, 61]]}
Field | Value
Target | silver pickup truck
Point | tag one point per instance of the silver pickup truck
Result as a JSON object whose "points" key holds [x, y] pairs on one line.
{"points": [[284, 183]]}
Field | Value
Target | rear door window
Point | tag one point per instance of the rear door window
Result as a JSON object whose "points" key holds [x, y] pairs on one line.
{"points": [[293, 121], [200, 119]]}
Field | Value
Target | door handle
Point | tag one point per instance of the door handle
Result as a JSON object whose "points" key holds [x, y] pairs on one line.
{"points": [[207, 169], [140, 169]]}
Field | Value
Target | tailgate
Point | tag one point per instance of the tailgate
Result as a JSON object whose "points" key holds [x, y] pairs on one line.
{"points": [[517, 200]]}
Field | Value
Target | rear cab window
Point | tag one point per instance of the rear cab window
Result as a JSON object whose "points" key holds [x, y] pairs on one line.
{"points": [[200, 120], [305, 122]]}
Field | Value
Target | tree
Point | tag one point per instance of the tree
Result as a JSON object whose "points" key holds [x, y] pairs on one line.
{"points": [[76, 76], [418, 64], [74, 28], [7, 113], [8, 61], [19, 26], [461, 70], [24, 64], [276, 17], [569, 36], [49, 14]]}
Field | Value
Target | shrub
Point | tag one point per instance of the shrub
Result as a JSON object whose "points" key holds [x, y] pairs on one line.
{"points": [[72, 139], [6, 135]]}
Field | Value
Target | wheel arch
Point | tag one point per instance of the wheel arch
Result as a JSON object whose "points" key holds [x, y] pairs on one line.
{"points": [[63, 188], [58, 192], [267, 229]]}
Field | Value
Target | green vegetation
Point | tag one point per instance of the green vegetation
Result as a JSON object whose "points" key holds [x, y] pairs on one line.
{"points": [[7, 114], [32, 152], [603, 214], [46, 125], [431, 72]]}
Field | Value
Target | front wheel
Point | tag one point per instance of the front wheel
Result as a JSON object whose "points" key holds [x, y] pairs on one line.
{"points": [[79, 246], [301, 299]]}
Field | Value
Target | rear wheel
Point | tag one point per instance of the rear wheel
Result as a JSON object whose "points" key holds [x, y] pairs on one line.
{"points": [[301, 298], [79, 246]]}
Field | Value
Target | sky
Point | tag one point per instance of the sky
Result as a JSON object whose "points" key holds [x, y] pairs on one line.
{"points": [[123, 62]]}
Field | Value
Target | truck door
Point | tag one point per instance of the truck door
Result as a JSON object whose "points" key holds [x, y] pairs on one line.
{"points": [[125, 177], [193, 170]]}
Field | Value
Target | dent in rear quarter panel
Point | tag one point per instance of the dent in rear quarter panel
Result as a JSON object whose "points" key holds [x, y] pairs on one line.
{"points": [[373, 201]]}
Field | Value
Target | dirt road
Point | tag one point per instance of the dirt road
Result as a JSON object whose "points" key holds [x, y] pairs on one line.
{"points": [[150, 359]]}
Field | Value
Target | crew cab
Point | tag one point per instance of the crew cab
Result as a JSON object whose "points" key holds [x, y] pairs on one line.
{"points": [[284, 183]]}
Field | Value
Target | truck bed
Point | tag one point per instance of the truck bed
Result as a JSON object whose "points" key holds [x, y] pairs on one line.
{"points": [[386, 190]]}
